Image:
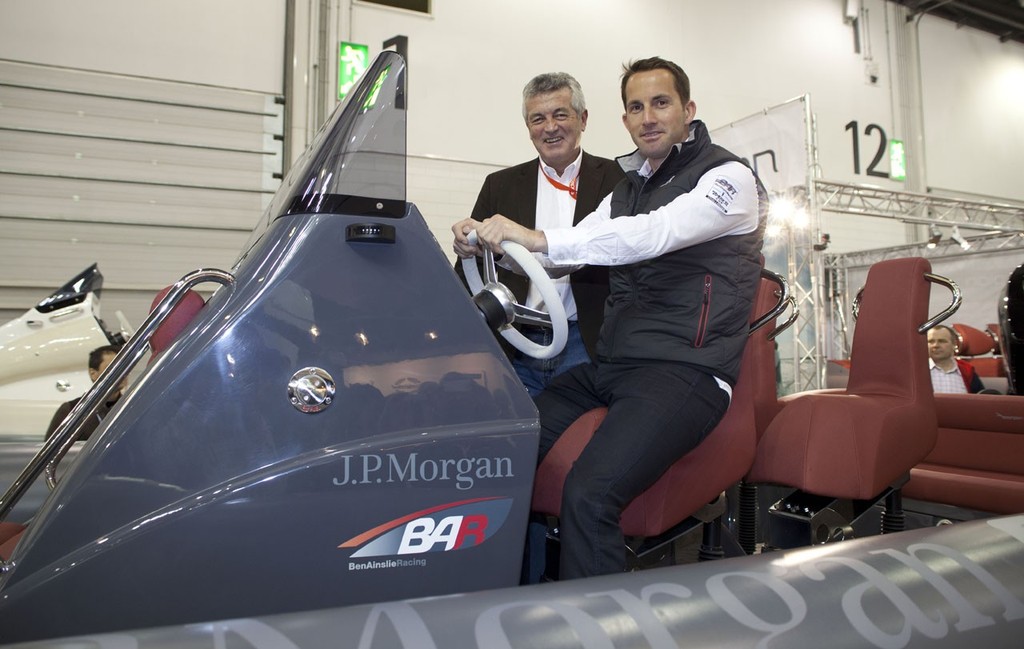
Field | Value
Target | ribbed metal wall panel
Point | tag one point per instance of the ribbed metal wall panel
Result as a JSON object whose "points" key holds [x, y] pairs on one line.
{"points": [[149, 178]]}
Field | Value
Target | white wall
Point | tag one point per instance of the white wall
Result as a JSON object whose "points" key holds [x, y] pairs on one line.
{"points": [[974, 125], [230, 43], [469, 61]]}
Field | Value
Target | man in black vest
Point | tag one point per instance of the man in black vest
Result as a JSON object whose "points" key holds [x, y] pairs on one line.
{"points": [[556, 189], [682, 236]]}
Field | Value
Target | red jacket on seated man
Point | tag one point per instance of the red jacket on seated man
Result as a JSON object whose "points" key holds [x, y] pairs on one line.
{"points": [[971, 380]]}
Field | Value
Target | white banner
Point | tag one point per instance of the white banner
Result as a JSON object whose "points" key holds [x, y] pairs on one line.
{"points": [[773, 142]]}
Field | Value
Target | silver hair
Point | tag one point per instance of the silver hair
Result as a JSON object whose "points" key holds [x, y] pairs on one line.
{"points": [[542, 84]]}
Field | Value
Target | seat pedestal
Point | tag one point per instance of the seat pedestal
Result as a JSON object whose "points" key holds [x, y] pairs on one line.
{"points": [[802, 519]]}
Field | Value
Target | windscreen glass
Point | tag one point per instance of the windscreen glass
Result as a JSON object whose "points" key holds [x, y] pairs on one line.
{"points": [[74, 291], [356, 162]]}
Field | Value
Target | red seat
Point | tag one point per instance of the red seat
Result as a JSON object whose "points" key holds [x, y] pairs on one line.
{"points": [[854, 443], [699, 476], [175, 322], [973, 342], [10, 534], [976, 347], [989, 366], [978, 460]]}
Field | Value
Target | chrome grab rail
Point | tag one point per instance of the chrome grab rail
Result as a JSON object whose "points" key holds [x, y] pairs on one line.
{"points": [[954, 303], [785, 299], [67, 432]]}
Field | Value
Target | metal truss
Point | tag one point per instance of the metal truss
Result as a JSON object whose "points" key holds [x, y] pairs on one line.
{"points": [[911, 207], [806, 356], [801, 355], [982, 244]]}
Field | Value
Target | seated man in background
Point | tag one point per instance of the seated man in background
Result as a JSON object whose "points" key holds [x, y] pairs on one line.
{"points": [[949, 373], [99, 359]]}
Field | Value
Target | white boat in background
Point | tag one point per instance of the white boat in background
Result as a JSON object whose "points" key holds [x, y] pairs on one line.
{"points": [[44, 354]]}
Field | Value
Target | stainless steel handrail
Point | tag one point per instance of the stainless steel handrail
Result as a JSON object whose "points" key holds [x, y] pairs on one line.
{"points": [[785, 300], [954, 304], [67, 432]]}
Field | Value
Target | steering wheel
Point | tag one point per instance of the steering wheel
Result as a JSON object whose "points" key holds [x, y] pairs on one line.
{"points": [[501, 310]]}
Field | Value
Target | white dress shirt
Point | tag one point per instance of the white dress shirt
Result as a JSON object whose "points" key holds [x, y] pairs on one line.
{"points": [[703, 214], [555, 209], [947, 381]]}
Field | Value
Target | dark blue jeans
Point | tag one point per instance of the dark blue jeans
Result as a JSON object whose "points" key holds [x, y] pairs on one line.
{"points": [[657, 412], [536, 373]]}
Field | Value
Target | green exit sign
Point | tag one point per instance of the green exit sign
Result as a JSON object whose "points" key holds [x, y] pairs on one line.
{"points": [[353, 60], [897, 160]]}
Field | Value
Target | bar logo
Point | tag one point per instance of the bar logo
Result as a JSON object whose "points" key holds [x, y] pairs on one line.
{"points": [[452, 526]]}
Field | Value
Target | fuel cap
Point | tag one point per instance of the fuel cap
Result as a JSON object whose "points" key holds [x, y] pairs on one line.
{"points": [[311, 389]]}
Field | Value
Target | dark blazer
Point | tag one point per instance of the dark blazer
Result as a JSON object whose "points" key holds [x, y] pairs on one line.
{"points": [[90, 425], [512, 192]]}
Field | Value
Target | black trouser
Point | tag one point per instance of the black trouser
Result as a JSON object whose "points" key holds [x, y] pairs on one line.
{"points": [[656, 414]]}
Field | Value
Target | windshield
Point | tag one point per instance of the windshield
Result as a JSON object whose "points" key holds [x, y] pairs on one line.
{"points": [[74, 291], [356, 162]]}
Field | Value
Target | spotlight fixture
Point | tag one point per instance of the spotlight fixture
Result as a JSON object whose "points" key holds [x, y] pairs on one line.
{"points": [[825, 240], [934, 235], [781, 209], [959, 238]]}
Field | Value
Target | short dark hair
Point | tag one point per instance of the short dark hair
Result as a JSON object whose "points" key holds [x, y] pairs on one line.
{"points": [[548, 82], [657, 63], [954, 337], [96, 355]]}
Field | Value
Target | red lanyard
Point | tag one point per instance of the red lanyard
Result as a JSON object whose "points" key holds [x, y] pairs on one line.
{"points": [[571, 187]]}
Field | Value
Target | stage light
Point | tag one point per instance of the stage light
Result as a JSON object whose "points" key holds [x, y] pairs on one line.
{"points": [[934, 235], [781, 210], [800, 219], [785, 213], [956, 236]]}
